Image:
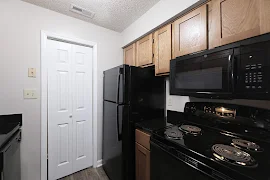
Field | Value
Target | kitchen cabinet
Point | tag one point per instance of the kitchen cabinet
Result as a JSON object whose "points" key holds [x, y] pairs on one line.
{"points": [[130, 55], [144, 49], [235, 20], [163, 50], [190, 32], [142, 153], [142, 163]]}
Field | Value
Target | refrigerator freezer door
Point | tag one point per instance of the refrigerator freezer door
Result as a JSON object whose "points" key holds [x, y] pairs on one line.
{"points": [[112, 140], [114, 85]]}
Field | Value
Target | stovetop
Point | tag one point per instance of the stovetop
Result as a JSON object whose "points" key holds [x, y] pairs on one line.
{"points": [[220, 145]]}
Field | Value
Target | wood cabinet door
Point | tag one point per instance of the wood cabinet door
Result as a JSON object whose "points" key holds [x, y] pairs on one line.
{"points": [[130, 55], [235, 20], [190, 32], [163, 49], [144, 49], [142, 163]]}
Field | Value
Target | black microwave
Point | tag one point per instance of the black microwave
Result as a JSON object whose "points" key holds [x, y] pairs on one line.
{"points": [[237, 71]]}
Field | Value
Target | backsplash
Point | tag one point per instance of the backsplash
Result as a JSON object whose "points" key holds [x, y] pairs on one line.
{"points": [[177, 103]]}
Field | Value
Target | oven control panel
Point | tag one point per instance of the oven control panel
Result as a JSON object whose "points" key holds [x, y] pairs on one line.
{"points": [[220, 111]]}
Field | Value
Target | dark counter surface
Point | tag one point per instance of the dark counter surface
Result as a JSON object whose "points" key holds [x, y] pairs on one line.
{"points": [[9, 125], [150, 125]]}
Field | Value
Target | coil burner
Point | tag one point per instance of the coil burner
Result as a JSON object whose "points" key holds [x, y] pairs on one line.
{"points": [[233, 155], [192, 130], [173, 133], [246, 145]]}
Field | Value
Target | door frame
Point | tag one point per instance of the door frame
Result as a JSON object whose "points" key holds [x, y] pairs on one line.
{"points": [[44, 96]]}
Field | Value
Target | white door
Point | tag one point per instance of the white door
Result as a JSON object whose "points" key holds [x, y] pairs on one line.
{"points": [[69, 108], [82, 107]]}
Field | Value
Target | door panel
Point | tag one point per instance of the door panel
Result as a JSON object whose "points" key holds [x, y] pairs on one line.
{"points": [[112, 146], [69, 108], [59, 109], [235, 20], [82, 107], [163, 49], [130, 55], [144, 48], [191, 32], [142, 163]]}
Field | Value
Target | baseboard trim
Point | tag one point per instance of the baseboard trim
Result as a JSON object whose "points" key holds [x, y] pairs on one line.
{"points": [[99, 163]]}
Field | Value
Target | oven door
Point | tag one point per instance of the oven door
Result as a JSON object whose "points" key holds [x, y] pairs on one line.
{"points": [[166, 166], [207, 75]]}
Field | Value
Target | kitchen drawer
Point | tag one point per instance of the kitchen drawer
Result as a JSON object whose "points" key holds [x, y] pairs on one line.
{"points": [[143, 139]]}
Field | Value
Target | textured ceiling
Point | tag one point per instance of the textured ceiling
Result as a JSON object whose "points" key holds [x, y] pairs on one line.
{"points": [[112, 14]]}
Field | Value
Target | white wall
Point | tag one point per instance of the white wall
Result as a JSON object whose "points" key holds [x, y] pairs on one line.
{"points": [[158, 14], [20, 26]]}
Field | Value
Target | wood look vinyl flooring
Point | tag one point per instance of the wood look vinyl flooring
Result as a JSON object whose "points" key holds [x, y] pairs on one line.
{"points": [[88, 174]]}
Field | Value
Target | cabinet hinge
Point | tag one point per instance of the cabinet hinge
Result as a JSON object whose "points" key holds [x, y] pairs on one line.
{"points": [[153, 40], [153, 55]]}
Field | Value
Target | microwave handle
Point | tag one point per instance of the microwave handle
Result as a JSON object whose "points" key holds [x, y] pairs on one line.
{"points": [[232, 61]]}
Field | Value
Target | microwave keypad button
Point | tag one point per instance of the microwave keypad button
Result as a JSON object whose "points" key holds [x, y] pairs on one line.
{"points": [[259, 87], [253, 87], [247, 87]]}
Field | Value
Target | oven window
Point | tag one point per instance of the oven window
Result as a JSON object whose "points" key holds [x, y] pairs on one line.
{"points": [[210, 78]]}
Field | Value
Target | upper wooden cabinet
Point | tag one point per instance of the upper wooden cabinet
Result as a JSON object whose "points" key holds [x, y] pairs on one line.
{"points": [[130, 55], [144, 49], [190, 32], [234, 20], [163, 50]]}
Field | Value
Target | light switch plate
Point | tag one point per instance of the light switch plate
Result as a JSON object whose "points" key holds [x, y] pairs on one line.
{"points": [[169, 101], [32, 72], [30, 94]]}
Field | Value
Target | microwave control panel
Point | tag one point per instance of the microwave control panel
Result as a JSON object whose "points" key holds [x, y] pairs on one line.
{"points": [[253, 76]]}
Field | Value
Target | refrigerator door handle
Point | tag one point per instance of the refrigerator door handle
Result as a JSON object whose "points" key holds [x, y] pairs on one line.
{"points": [[118, 86], [119, 133]]}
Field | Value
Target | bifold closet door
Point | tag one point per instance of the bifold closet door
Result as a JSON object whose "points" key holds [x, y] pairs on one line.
{"points": [[69, 108]]}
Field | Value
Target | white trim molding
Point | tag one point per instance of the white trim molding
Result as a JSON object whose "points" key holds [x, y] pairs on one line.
{"points": [[99, 163], [44, 96]]}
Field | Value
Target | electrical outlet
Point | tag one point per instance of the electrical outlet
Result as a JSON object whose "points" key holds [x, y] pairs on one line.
{"points": [[169, 101], [32, 72], [29, 94]]}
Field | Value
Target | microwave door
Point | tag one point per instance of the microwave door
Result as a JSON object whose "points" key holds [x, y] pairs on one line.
{"points": [[204, 76]]}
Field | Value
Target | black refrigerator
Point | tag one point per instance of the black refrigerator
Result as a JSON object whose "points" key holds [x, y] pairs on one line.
{"points": [[130, 95]]}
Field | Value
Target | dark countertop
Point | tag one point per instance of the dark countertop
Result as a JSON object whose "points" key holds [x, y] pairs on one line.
{"points": [[152, 124], [9, 125]]}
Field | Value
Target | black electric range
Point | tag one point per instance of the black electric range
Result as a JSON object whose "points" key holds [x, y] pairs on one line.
{"points": [[213, 141]]}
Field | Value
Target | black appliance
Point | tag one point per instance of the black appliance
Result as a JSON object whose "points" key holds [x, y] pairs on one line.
{"points": [[10, 138], [131, 95], [240, 70], [213, 141]]}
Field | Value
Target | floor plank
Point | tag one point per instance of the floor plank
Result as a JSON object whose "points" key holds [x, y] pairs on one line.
{"points": [[88, 174]]}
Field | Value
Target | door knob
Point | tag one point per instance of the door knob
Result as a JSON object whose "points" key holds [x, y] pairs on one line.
{"points": [[70, 116]]}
